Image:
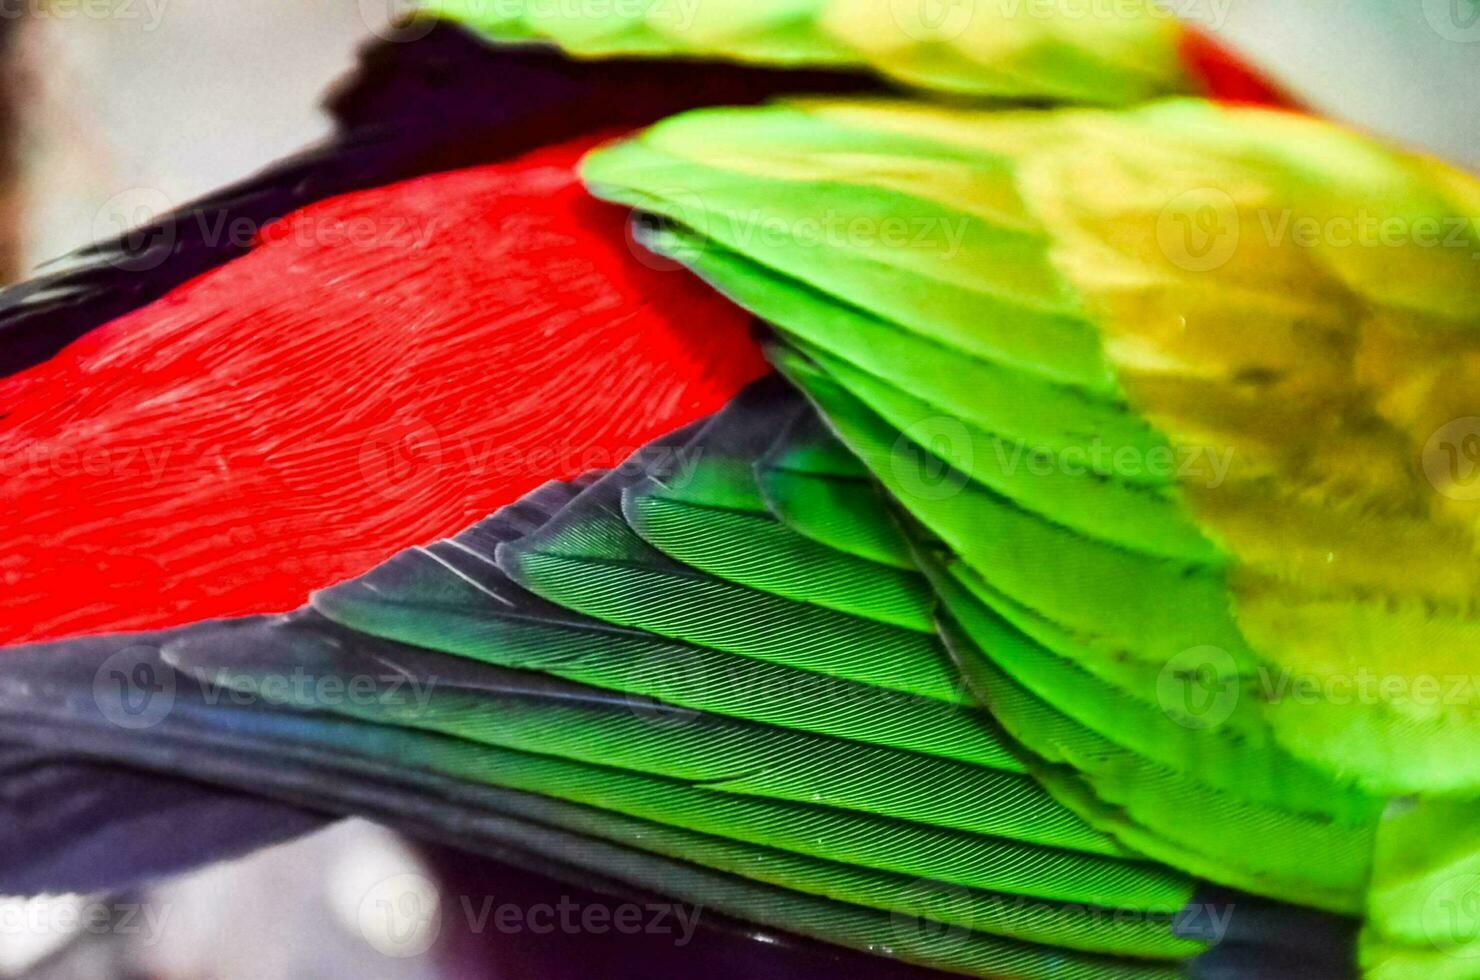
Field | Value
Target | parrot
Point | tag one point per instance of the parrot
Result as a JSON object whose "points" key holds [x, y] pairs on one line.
{"points": [[985, 485]]}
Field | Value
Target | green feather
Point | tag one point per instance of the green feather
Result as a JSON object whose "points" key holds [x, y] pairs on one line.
{"points": [[762, 553], [603, 569], [421, 601], [984, 48], [1119, 601], [440, 787], [1019, 407], [837, 506]]}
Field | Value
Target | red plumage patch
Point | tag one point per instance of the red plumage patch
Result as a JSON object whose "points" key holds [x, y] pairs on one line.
{"points": [[385, 369], [1225, 76]]}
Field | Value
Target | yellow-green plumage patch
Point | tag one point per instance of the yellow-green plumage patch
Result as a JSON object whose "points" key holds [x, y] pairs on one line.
{"points": [[1256, 322], [1056, 260], [1048, 49]]}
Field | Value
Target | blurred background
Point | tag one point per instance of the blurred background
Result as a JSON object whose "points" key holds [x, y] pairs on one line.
{"points": [[118, 107], [114, 110]]}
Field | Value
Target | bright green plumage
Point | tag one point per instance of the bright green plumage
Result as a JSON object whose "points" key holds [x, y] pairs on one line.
{"points": [[1044, 49], [762, 721], [1174, 429]]}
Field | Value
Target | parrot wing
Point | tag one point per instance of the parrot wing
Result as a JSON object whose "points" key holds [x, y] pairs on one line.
{"points": [[1176, 402], [636, 670]]}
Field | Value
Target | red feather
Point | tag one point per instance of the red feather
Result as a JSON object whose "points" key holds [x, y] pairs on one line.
{"points": [[1226, 77], [385, 369]]}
